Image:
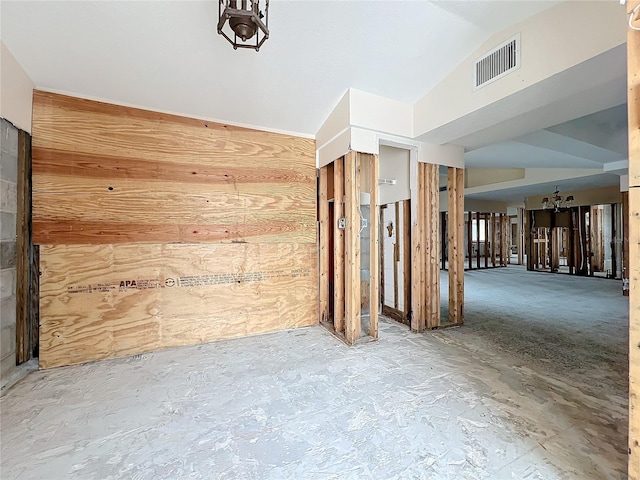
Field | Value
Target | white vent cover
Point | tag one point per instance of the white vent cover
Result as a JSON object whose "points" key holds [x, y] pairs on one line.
{"points": [[497, 63]]}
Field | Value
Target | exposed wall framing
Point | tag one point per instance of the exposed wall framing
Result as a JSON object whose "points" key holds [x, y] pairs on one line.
{"points": [[425, 288], [344, 247], [456, 249], [324, 245], [572, 240], [488, 242]]}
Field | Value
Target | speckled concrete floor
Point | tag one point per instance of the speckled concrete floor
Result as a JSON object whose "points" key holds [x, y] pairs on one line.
{"points": [[300, 404]]}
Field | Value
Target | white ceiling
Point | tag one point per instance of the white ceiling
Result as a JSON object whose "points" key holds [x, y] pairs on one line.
{"points": [[592, 141], [167, 55], [586, 142]]}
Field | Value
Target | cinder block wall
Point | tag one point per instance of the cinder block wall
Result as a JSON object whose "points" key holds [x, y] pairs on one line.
{"points": [[8, 216]]}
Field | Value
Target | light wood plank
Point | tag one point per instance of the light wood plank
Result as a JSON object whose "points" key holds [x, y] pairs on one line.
{"points": [[323, 204], [352, 249], [633, 109], [374, 245], [470, 239], [102, 301], [23, 249], [455, 182], [494, 236], [417, 259], [396, 257], [338, 246], [433, 240], [459, 307], [88, 127], [150, 177], [406, 245], [478, 239]]}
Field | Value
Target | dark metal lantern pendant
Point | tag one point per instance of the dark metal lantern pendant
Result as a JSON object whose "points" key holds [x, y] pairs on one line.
{"points": [[245, 21]]}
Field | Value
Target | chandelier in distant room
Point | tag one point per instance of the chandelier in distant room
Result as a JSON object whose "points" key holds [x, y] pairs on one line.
{"points": [[557, 201], [241, 23]]}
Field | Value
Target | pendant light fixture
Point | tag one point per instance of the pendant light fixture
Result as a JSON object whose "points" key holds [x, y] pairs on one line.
{"points": [[242, 23], [557, 202]]}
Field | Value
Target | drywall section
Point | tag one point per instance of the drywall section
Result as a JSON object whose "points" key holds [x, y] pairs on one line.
{"points": [[363, 122], [17, 91], [159, 231], [8, 255], [475, 177], [585, 30], [394, 166]]}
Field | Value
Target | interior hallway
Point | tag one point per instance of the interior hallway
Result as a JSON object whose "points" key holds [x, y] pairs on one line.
{"points": [[543, 396]]}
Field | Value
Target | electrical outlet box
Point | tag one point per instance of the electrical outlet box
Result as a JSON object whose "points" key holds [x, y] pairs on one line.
{"points": [[342, 223], [364, 223]]}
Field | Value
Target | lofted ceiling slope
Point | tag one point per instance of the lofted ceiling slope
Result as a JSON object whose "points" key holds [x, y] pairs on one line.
{"points": [[167, 56]]}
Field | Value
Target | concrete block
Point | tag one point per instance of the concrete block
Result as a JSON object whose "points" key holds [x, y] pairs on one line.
{"points": [[8, 197], [7, 366], [7, 226], [8, 255], [8, 341], [8, 167], [8, 311], [7, 282], [9, 138]]}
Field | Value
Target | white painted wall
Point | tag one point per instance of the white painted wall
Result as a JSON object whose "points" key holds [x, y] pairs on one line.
{"points": [[381, 114], [475, 177], [535, 176], [16, 94], [336, 123], [552, 42], [362, 122], [389, 243], [394, 164]]}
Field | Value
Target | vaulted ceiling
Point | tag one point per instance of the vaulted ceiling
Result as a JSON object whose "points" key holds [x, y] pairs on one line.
{"points": [[167, 55]]}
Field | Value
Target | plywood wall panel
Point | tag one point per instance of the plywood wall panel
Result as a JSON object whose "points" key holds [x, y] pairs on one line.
{"points": [[87, 127], [139, 173], [101, 301], [160, 231]]}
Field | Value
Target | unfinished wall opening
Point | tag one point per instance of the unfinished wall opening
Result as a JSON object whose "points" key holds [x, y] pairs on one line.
{"points": [[395, 233], [348, 213], [583, 240]]}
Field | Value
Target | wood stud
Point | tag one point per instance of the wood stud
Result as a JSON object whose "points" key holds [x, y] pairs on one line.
{"points": [[374, 246], [455, 181], [633, 109], [23, 248], [352, 248], [338, 245], [323, 209]]}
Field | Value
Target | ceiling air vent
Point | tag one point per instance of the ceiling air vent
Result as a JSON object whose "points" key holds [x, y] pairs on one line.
{"points": [[497, 63]]}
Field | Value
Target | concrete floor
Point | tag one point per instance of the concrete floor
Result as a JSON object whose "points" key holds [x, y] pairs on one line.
{"points": [[541, 397]]}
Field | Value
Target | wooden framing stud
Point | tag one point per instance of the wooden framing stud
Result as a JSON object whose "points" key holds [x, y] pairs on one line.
{"points": [[406, 246], [374, 260], [633, 109], [338, 245], [352, 248], [323, 214], [23, 248], [455, 181], [433, 243]]}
